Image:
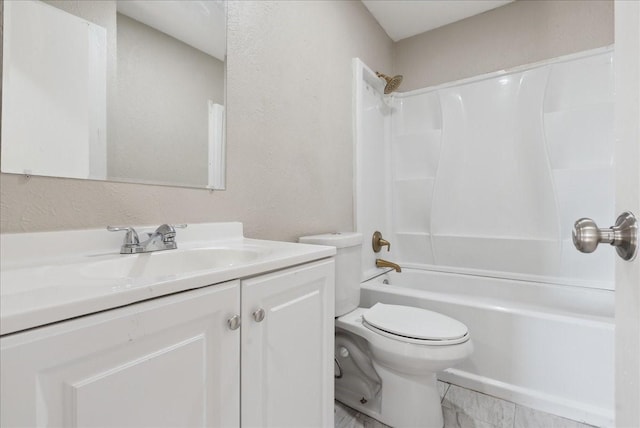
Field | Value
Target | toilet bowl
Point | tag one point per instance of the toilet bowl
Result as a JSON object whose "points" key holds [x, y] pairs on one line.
{"points": [[387, 356], [406, 365]]}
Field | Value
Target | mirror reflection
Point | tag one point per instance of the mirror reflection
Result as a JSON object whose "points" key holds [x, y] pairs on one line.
{"points": [[129, 90]]}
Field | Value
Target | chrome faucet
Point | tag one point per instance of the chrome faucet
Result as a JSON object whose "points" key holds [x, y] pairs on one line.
{"points": [[164, 238], [383, 264]]}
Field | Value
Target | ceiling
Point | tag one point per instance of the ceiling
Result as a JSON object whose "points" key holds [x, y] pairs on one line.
{"points": [[200, 23], [406, 18]]}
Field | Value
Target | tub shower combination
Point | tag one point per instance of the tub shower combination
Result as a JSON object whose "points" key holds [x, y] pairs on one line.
{"points": [[477, 184], [533, 344]]}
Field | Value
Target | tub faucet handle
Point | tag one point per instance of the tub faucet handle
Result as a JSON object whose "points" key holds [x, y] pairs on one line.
{"points": [[378, 242]]}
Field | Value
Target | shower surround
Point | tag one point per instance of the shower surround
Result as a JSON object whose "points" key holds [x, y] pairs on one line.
{"points": [[483, 178]]}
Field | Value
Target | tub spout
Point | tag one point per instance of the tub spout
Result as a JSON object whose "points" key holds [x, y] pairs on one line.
{"points": [[383, 263]]}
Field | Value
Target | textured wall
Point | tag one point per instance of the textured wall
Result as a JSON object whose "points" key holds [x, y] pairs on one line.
{"points": [[522, 32], [289, 110], [289, 152]]}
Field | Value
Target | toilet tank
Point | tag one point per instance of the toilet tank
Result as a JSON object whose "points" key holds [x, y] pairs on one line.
{"points": [[348, 267]]}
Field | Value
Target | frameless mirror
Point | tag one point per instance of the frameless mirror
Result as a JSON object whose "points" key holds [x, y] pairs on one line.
{"points": [[118, 90]]}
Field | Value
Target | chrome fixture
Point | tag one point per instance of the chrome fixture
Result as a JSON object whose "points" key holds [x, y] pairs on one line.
{"points": [[378, 242], [258, 315], [164, 238], [234, 322], [392, 82], [383, 264], [624, 235]]}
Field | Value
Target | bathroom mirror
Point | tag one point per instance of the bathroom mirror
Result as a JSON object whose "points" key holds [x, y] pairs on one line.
{"points": [[118, 90]]}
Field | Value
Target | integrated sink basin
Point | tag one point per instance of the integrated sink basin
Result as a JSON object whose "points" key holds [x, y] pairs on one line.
{"points": [[47, 277], [169, 263]]}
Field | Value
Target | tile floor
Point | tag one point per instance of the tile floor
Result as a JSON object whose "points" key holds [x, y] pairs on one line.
{"points": [[464, 408]]}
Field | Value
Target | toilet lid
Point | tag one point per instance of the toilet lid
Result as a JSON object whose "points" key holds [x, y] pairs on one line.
{"points": [[415, 323]]}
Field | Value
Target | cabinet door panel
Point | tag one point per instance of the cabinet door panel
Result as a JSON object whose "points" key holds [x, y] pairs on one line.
{"points": [[287, 358], [171, 361]]}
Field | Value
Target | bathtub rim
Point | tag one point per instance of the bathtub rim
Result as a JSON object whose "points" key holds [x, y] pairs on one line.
{"points": [[485, 273], [496, 303]]}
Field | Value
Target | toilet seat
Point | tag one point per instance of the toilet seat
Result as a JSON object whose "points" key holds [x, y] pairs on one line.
{"points": [[414, 325], [404, 354]]}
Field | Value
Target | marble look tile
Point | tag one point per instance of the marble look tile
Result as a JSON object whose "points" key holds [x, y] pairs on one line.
{"points": [[452, 419], [346, 417], [463, 408], [352, 423], [480, 407], [530, 418], [442, 389], [368, 422]]}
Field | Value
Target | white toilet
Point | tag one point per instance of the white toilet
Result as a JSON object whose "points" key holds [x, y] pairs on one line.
{"points": [[387, 356]]}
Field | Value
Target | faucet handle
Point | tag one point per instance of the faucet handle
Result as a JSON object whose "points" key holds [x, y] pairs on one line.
{"points": [[131, 237], [168, 231], [378, 242]]}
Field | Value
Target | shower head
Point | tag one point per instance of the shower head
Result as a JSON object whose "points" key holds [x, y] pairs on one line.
{"points": [[392, 82]]}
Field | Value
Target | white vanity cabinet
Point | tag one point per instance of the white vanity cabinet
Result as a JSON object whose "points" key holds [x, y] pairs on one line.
{"points": [[171, 361], [287, 348], [174, 361]]}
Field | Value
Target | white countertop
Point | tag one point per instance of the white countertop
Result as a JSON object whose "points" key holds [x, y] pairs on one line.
{"points": [[47, 277]]}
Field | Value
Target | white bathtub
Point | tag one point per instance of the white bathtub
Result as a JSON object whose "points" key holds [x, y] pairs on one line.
{"points": [[548, 347]]}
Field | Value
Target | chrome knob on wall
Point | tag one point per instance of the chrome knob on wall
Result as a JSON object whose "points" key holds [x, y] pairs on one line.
{"points": [[624, 235]]}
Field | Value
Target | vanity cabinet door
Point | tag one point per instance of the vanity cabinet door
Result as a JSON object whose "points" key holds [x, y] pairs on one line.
{"points": [[167, 362], [287, 347]]}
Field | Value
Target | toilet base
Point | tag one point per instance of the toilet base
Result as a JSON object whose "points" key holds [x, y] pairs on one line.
{"points": [[403, 400], [409, 400]]}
